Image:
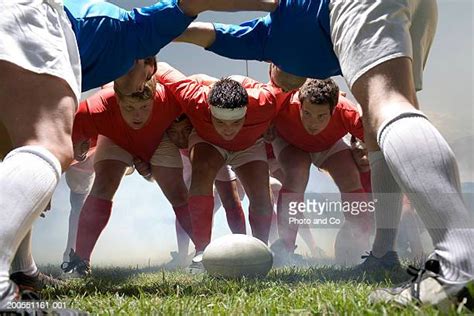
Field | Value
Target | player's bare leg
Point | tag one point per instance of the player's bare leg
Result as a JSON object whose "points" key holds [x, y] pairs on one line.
{"points": [[39, 126], [353, 237], [387, 95], [255, 180], [96, 212]]}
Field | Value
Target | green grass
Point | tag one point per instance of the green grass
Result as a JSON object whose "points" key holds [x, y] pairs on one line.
{"points": [[298, 291]]}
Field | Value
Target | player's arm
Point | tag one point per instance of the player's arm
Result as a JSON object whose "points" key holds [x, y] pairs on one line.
{"points": [[352, 119], [263, 97], [194, 7], [249, 83], [204, 79], [189, 93], [84, 130], [244, 41]]}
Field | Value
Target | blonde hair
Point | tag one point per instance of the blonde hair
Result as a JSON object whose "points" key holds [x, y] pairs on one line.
{"points": [[147, 94]]}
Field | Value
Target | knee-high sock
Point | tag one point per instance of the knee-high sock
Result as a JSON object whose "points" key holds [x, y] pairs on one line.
{"points": [[94, 217], [182, 239], [28, 177], [184, 218], [23, 261], [77, 201], [201, 207], [388, 208], [236, 219], [286, 231], [425, 168]]}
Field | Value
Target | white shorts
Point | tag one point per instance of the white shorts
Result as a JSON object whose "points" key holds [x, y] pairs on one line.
{"points": [[80, 176], [166, 155], [37, 36], [234, 159], [317, 158], [225, 174], [367, 33]]}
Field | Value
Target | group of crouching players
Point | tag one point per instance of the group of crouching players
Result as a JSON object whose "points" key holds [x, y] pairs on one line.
{"points": [[207, 142]]}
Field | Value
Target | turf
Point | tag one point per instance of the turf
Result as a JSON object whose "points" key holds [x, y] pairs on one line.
{"points": [[298, 291]]}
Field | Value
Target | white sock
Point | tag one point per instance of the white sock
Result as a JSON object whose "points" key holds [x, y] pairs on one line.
{"points": [[426, 169], [388, 208], [23, 261], [28, 177], [76, 200]]}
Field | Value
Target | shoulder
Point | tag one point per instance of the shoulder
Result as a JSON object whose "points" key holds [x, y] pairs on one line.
{"points": [[101, 100], [86, 9]]}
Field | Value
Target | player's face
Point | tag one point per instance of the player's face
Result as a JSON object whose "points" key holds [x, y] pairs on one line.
{"points": [[361, 159], [136, 114], [134, 80], [178, 132], [227, 129], [286, 81], [315, 117]]}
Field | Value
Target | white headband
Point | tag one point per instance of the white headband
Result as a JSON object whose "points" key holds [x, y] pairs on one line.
{"points": [[228, 114]]}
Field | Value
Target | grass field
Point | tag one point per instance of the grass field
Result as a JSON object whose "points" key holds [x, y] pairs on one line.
{"points": [[298, 291]]}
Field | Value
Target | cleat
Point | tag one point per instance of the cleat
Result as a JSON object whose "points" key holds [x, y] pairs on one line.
{"points": [[76, 267], [389, 261], [426, 287], [196, 266], [178, 261], [35, 282], [12, 294]]}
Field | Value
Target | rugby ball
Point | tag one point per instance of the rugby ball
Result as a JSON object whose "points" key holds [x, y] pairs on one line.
{"points": [[237, 255]]}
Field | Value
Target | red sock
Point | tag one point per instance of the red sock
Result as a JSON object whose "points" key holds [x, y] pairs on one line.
{"points": [[200, 208], [287, 232], [260, 225], [94, 217], [359, 202], [366, 181], [236, 219], [184, 218]]}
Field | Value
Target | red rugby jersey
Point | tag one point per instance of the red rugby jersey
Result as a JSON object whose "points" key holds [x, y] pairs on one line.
{"points": [[100, 114], [345, 119], [192, 95]]}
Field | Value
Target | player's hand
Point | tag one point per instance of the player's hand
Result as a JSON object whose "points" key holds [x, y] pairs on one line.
{"points": [[143, 168], [270, 134], [81, 149]]}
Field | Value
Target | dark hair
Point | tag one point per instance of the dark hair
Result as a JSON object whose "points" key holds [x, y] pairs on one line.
{"points": [[317, 91], [152, 62], [148, 93], [228, 94], [180, 118]]}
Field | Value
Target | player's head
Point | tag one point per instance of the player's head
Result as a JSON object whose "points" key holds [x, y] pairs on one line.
{"points": [[360, 155], [318, 99], [136, 108], [179, 131], [134, 80], [228, 101], [286, 81]]}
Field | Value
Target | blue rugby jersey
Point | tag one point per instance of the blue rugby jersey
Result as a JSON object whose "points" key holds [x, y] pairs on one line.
{"points": [[295, 37], [110, 38]]}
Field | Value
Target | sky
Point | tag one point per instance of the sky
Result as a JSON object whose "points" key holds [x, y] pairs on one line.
{"points": [[141, 228]]}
